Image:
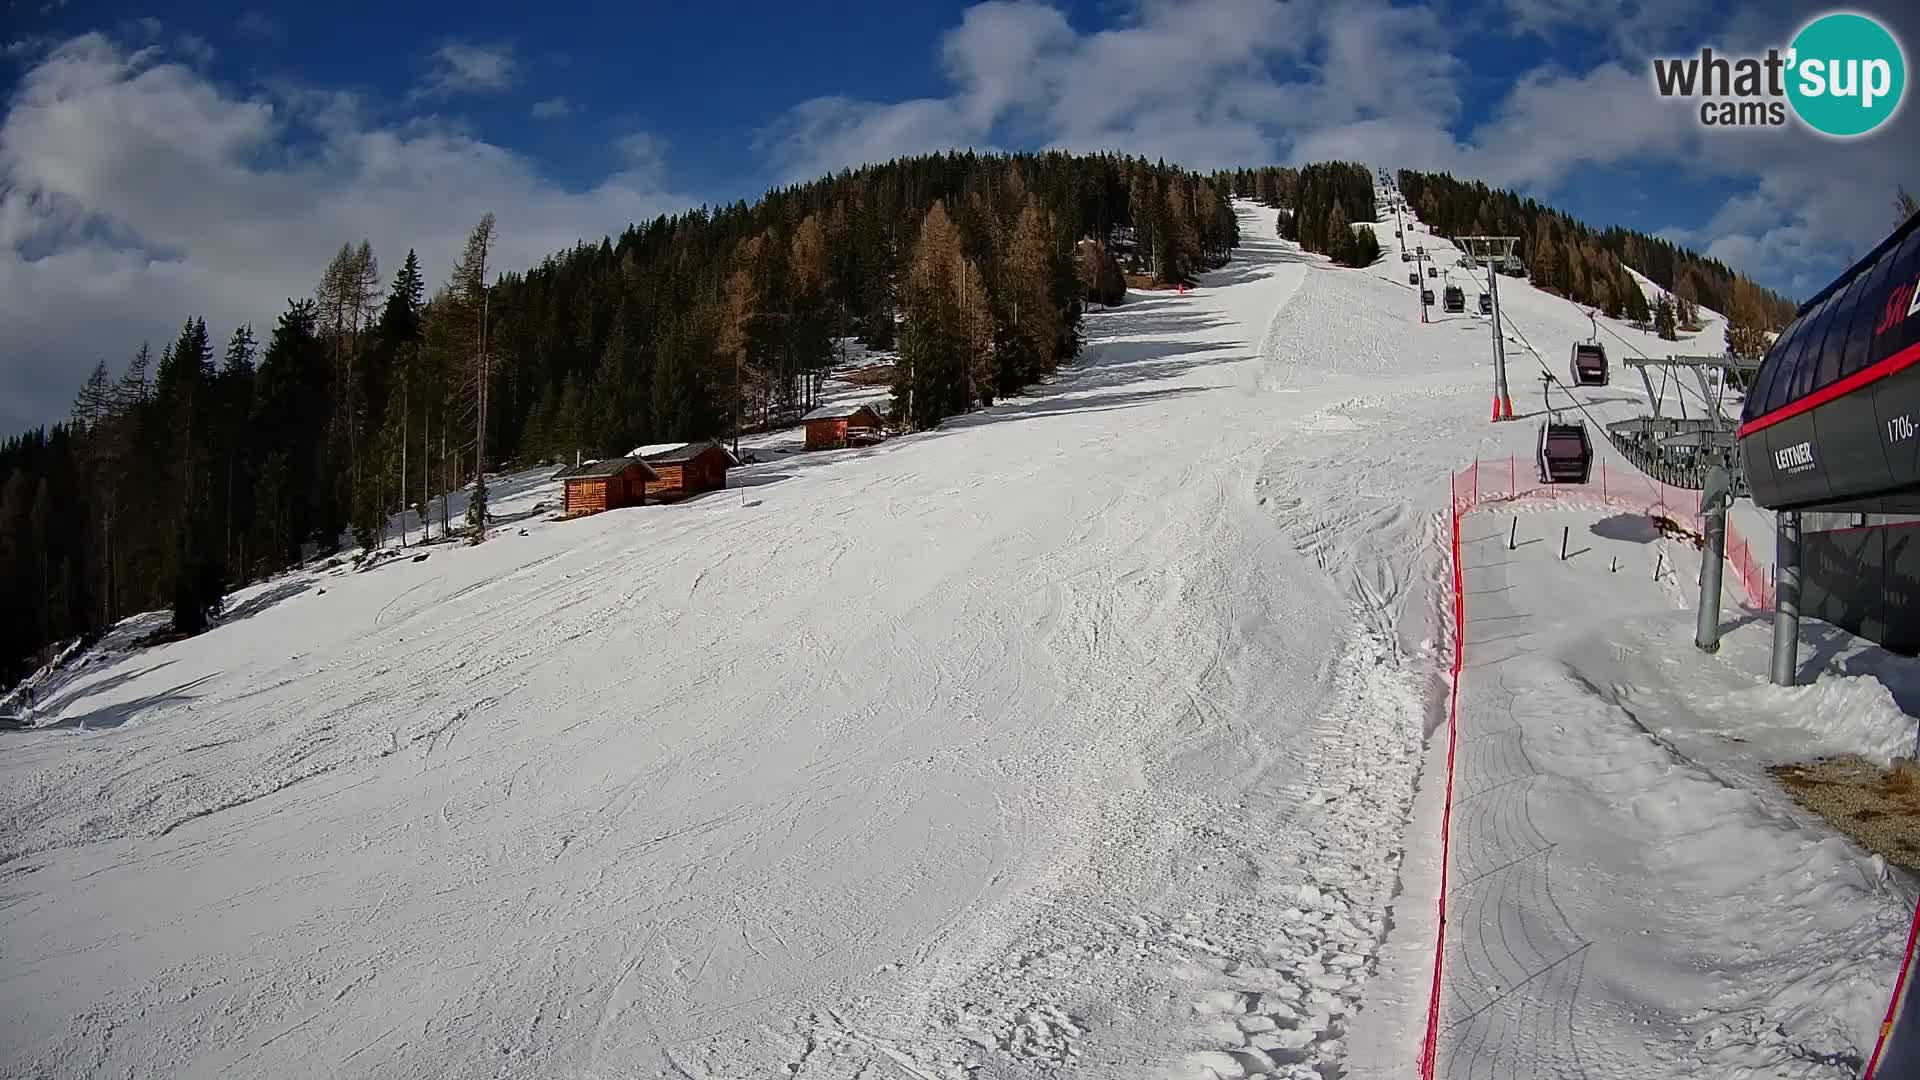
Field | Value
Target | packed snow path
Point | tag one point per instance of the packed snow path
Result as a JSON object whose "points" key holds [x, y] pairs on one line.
{"points": [[1009, 744], [1631, 895]]}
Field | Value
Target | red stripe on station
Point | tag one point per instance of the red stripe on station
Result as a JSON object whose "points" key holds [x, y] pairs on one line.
{"points": [[1872, 373]]}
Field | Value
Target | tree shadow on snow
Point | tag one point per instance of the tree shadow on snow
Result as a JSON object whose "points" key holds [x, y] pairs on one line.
{"points": [[109, 717], [265, 599], [60, 701], [1630, 528]]}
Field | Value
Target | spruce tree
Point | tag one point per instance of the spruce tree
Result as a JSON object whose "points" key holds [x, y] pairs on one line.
{"points": [[1665, 319]]}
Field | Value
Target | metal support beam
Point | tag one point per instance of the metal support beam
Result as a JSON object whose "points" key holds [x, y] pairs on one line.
{"points": [[1786, 603], [1496, 248], [1501, 397], [1714, 499]]}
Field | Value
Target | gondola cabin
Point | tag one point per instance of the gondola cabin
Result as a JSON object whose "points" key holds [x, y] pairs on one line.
{"points": [[1832, 421], [1426, 297], [1413, 278], [1486, 304], [1565, 454], [1588, 365], [1433, 271], [1404, 257], [1454, 300]]}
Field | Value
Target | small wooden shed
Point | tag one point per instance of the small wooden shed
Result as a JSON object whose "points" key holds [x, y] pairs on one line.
{"points": [[607, 485], [829, 426], [682, 470]]}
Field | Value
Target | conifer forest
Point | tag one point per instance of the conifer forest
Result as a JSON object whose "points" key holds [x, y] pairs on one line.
{"points": [[228, 454]]}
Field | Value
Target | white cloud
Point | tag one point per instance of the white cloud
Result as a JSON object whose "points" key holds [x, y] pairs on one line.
{"points": [[1236, 82], [466, 68], [134, 193], [552, 108], [825, 134]]}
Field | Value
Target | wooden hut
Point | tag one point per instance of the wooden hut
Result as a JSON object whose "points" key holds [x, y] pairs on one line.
{"points": [[682, 470], [830, 426], [607, 485]]}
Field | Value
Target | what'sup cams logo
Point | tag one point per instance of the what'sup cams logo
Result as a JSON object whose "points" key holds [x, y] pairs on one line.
{"points": [[1843, 75]]}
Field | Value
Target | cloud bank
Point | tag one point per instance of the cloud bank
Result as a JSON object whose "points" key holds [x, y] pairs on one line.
{"points": [[135, 192]]}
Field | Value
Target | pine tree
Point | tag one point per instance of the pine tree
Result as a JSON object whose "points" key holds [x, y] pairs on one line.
{"points": [[1099, 274], [1665, 319], [468, 292], [1180, 245], [812, 318], [1634, 299], [1746, 334], [739, 329], [931, 378], [1035, 323], [233, 394], [183, 398], [1145, 208], [1365, 249]]}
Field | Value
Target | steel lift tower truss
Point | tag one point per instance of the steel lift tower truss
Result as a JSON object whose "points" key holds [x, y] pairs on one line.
{"points": [[1491, 251], [1683, 451]]}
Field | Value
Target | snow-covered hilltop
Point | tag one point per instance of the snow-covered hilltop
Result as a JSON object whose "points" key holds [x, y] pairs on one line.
{"points": [[1088, 734]]}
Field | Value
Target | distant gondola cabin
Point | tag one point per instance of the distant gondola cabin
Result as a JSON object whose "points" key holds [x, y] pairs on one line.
{"points": [[683, 470], [831, 426], [606, 485]]}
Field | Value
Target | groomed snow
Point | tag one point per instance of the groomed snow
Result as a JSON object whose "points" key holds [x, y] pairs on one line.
{"points": [[1083, 732], [1632, 895]]}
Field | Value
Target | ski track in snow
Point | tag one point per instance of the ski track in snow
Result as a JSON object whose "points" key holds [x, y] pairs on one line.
{"points": [[1080, 735]]}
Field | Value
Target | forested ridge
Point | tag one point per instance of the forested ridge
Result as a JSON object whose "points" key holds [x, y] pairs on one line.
{"points": [[204, 466], [1588, 266]]}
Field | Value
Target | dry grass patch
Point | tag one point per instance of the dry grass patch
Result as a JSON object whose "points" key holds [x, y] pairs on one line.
{"points": [[1878, 808]]}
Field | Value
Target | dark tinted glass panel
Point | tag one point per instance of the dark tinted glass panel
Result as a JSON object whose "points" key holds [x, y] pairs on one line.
{"points": [[1868, 311], [1904, 330], [1565, 446], [1770, 368], [1809, 335], [1807, 360], [1826, 366]]}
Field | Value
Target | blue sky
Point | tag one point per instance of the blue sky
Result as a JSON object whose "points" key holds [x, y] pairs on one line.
{"points": [[208, 159]]}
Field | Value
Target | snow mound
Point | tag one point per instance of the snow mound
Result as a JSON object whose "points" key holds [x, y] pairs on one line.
{"points": [[1853, 714]]}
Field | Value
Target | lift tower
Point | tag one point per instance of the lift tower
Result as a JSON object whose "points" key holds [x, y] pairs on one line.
{"points": [[1492, 250]]}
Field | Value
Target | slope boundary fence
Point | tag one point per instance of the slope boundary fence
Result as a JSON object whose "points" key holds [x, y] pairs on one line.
{"points": [[1501, 482]]}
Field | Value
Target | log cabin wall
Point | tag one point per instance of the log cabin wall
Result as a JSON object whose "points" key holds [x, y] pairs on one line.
{"points": [[586, 496]]}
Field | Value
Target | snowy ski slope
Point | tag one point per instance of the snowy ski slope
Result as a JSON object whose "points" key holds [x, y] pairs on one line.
{"points": [[1087, 730]]}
